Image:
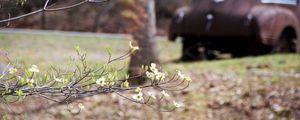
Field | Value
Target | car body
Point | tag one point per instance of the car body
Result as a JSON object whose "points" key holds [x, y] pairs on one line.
{"points": [[239, 27]]}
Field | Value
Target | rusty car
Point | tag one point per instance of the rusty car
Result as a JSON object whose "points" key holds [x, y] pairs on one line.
{"points": [[238, 27]]}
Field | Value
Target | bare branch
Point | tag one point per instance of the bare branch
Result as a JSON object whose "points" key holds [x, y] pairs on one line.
{"points": [[47, 9]]}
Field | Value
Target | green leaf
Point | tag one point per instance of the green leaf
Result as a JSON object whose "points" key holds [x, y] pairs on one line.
{"points": [[109, 50], [143, 67], [116, 75], [22, 80], [126, 76], [46, 78], [146, 68], [125, 84], [20, 93], [6, 89], [110, 77], [28, 73], [21, 2], [77, 48], [105, 67]]}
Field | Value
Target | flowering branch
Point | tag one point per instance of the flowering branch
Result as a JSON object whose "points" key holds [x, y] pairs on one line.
{"points": [[85, 81]]}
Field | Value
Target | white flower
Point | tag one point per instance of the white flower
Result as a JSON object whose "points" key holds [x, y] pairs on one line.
{"points": [[154, 74], [58, 79], [183, 77], [164, 93], [12, 70], [34, 68], [81, 106], [177, 105], [30, 81], [187, 78], [151, 95], [180, 74], [110, 77], [138, 97], [153, 68], [138, 90], [160, 76], [150, 75], [101, 81], [133, 48]]}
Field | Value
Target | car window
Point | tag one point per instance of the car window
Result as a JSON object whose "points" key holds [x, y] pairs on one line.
{"points": [[289, 2]]}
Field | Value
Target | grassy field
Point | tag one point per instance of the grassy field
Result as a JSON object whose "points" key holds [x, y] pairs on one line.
{"points": [[265, 87]]}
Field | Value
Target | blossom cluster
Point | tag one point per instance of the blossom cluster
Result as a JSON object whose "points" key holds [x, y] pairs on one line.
{"points": [[23, 80], [153, 74], [89, 81], [106, 81], [140, 97], [29, 80], [184, 77]]}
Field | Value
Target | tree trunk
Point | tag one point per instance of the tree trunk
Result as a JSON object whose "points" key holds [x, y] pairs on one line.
{"points": [[43, 21], [144, 37]]}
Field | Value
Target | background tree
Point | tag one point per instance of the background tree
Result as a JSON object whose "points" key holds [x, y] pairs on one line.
{"points": [[141, 14]]}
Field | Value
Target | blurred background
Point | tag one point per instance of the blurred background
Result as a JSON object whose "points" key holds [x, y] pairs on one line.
{"points": [[109, 17]]}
